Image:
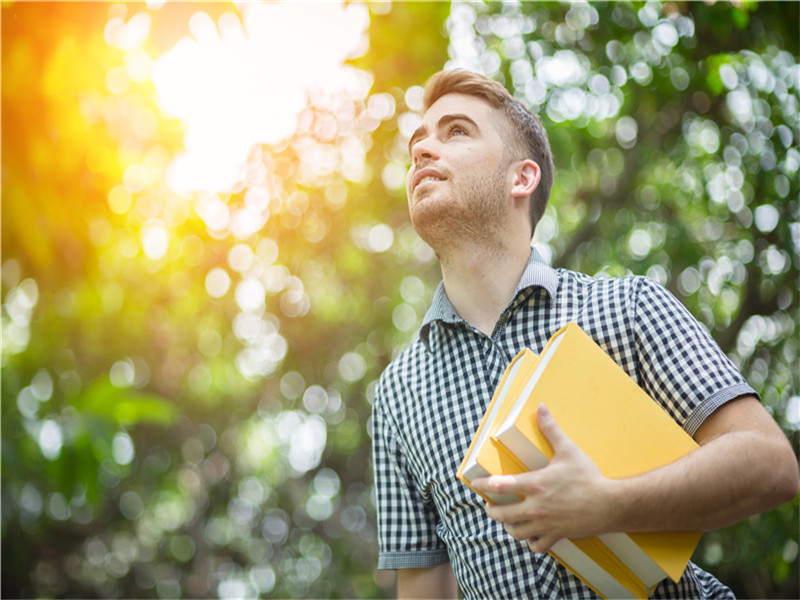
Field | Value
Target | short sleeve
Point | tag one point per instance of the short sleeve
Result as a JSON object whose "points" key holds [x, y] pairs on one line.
{"points": [[407, 535], [679, 363]]}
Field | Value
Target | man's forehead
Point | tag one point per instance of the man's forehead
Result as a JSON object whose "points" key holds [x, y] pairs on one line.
{"points": [[457, 102]]}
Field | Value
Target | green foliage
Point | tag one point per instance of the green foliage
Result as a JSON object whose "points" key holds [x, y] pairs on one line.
{"points": [[692, 181], [110, 403], [167, 431]]}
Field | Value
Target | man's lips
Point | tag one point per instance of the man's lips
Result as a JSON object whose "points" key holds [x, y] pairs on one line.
{"points": [[422, 174]]}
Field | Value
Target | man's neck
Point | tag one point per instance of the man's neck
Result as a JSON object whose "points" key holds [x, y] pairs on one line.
{"points": [[480, 282]]}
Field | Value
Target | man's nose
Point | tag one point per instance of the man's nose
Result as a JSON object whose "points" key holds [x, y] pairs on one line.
{"points": [[424, 148]]}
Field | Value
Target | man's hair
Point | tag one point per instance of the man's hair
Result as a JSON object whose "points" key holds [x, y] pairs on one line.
{"points": [[528, 136]]}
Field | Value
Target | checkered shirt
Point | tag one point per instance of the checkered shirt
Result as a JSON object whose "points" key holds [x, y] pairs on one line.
{"points": [[430, 401]]}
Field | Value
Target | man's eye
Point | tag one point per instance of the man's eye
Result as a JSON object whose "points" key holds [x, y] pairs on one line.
{"points": [[457, 130]]}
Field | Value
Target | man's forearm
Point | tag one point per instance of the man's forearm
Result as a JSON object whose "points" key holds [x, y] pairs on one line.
{"points": [[744, 465], [429, 582], [726, 480]]}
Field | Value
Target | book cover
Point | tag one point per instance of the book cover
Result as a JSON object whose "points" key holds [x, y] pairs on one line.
{"points": [[625, 433], [485, 455], [588, 559]]}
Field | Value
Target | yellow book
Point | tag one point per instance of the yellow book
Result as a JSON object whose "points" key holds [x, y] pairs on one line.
{"points": [[485, 455], [599, 568], [588, 559], [625, 433]]}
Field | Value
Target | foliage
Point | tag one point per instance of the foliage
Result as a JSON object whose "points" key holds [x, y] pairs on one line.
{"points": [[186, 376], [674, 129]]}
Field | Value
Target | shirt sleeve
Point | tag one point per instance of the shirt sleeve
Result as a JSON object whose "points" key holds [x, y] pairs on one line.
{"points": [[407, 535], [679, 363]]}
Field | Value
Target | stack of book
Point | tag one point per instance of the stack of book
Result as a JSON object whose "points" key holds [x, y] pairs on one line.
{"points": [[625, 433]]}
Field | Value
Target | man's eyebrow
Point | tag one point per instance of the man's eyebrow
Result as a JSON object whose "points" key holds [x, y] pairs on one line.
{"points": [[443, 121]]}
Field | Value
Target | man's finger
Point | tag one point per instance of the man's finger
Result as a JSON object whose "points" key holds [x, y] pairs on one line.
{"points": [[505, 513], [554, 434], [522, 531], [501, 484], [542, 543]]}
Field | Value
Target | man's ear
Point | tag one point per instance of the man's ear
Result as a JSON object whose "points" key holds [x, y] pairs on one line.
{"points": [[526, 178]]}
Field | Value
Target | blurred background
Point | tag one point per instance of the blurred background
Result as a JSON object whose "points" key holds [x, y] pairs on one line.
{"points": [[207, 260]]}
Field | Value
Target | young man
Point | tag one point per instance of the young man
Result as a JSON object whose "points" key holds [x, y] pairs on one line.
{"points": [[479, 181]]}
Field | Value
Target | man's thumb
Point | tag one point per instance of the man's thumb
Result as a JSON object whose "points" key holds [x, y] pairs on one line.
{"points": [[548, 426]]}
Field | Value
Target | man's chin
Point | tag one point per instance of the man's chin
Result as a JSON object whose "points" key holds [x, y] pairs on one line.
{"points": [[424, 206], [431, 218], [420, 195]]}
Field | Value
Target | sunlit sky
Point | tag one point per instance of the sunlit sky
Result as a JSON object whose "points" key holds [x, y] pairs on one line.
{"points": [[239, 82]]}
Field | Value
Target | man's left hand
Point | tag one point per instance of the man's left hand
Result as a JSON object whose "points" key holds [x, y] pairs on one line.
{"points": [[567, 498]]}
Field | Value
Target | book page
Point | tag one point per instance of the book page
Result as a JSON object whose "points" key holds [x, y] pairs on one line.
{"points": [[545, 357], [484, 430]]}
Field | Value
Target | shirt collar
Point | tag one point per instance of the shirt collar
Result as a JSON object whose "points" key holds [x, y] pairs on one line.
{"points": [[536, 274]]}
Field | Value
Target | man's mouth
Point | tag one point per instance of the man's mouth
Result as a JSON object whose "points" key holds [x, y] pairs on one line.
{"points": [[426, 175]]}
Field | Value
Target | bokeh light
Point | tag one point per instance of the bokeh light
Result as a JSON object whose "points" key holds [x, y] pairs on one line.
{"points": [[243, 81]]}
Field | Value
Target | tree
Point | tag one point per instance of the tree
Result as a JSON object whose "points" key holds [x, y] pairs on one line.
{"points": [[187, 375], [674, 128]]}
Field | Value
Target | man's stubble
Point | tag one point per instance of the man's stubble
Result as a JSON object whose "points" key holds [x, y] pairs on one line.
{"points": [[476, 214]]}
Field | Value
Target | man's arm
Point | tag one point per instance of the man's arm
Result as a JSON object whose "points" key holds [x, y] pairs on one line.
{"points": [[745, 465], [428, 582]]}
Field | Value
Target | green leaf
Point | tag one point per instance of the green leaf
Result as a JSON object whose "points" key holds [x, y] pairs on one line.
{"points": [[124, 406]]}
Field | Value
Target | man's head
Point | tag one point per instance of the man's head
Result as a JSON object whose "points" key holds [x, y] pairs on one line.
{"points": [[522, 131]]}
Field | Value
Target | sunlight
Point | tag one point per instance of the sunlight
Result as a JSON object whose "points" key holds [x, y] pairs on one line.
{"points": [[238, 83]]}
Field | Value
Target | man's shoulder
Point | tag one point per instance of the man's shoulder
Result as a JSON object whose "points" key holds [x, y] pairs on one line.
{"points": [[601, 281], [613, 297]]}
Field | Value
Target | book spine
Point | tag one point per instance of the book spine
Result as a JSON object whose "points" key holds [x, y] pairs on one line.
{"points": [[580, 557]]}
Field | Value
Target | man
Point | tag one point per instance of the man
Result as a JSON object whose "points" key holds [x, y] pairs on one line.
{"points": [[479, 181]]}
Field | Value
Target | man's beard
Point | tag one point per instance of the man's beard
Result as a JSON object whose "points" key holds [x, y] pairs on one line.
{"points": [[477, 216]]}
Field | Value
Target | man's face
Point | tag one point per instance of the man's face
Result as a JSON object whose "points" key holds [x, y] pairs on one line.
{"points": [[459, 164]]}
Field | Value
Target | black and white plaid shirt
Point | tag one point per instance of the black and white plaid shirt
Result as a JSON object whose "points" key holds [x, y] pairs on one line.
{"points": [[431, 399]]}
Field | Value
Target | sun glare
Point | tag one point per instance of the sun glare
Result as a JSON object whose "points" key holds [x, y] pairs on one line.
{"points": [[237, 83]]}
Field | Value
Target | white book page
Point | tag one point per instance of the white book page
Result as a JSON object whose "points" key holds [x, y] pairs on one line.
{"points": [[471, 461], [592, 572], [637, 560], [544, 359]]}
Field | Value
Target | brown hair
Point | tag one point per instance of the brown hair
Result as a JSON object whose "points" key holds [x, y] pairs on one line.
{"points": [[528, 136]]}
